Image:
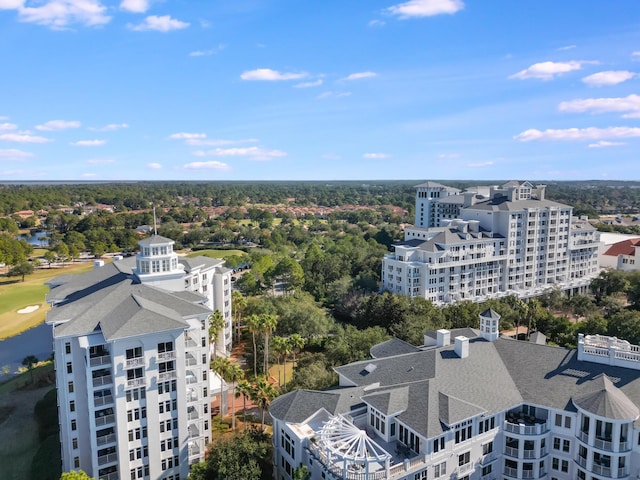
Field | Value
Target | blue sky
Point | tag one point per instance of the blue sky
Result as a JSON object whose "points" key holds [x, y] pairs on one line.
{"points": [[331, 89]]}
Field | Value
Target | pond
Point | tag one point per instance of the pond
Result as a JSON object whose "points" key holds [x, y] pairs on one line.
{"points": [[38, 341], [38, 239]]}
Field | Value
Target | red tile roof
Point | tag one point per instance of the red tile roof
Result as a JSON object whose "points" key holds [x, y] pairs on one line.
{"points": [[626, 247]]}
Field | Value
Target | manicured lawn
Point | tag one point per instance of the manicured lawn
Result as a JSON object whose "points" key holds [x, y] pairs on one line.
{"points": [[16, 294], [212, 253]]}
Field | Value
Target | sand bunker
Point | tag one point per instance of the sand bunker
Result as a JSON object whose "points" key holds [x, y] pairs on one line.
{"points": [[29, 309]]}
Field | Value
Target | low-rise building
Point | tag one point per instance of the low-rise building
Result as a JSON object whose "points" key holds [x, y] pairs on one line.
{"points": [[469, 406]]}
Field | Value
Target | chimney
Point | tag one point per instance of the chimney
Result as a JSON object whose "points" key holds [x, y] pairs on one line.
{"points": [[444, 338], [462, 346], [98, 263]]}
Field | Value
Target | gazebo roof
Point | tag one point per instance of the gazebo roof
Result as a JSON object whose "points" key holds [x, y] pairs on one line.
{"points": [[347, 441]]}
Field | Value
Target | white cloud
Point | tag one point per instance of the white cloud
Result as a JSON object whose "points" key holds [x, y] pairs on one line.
{"points": [[609, 77], [100, 161], [377, 23], [157, 23], [88, 143], [14, 154], [199, 142], [330, 94], [566, 47], [254, 153], [635, 55], [629, 106], [109, 128], [315, 83], [23, 137], [60, 14], [11, 4], [154, 165], [4, 127], [480, 164], [449, 155], [549, 70], [267, 74], [425, 8], [55, 125], [604, 143], [186, 135], [206, 53], [578, 134], [211, 165], [376, 156], [360, 75], [136, 6]]}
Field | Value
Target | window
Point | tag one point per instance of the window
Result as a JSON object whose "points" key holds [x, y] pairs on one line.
{"points": [[440, 470], [487, 470], [134, 353], [566, 445], [463, 458], [487, 448], [567, 422], [70, 385], [166, 367], [165, 347], [69, 368], [76, 462], [438, 444], [74, 443], [558, 422], [72, 406], [67, 348], [74, 425]]}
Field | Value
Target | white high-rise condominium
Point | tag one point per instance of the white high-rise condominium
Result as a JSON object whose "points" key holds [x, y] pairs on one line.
{"points": [[131, 348], [490, 242]]}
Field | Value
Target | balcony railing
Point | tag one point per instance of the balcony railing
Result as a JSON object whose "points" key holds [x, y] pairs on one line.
{"points": [[601, 470], [464, 469], [603, 444], [164, 376], [104, 380], [522, 429], [135, 382], [193, 415], [134, 362], [582, 461], [106, 420], [102, 360], [194, 451], [167, 355], [623, 472], [511, 451], [105, 439], [511, 472], [528, 474], [110, 458], [101, 401], [110, 476], [192, 398]]}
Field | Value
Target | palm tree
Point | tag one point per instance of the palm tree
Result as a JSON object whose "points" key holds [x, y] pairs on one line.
{"points": [[245, 389], [233, 374], [253, 323], [221, 366], [280, 347], [268, 322], [296, 342], [238, 305], [216, 328], [30, 361], [264, 393]]}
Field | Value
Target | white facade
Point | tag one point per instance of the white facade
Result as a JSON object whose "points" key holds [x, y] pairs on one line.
{"points": [[587, 432], [132, 357], [513, 243]]}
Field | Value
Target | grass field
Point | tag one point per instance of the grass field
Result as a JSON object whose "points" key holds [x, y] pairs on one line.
{"points": [[212, 253], [15, 295]]}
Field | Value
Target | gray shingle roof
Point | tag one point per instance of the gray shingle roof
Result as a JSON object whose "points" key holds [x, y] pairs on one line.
{"points": [[389, 402], [502, 203], [392, 347], [605, 400], [490, 313], [200, 261], [155, 240]]}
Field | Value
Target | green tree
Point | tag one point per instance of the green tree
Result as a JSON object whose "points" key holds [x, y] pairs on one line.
{"points": [[268, 324], [238, 305], [264, 393], [29, 362], [216, 331], [50, 257], [280, 347], [243, 456], [245, 389], [221, 366], [254, 325], [75, 475], [233, 375], [21, 269], [609, 282]]}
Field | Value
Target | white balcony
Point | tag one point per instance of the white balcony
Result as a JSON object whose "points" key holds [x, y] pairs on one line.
{"points": [[106, 439], [104, 380], [101, 401], [106, 420], [110, 458], [165, 376], [135, 382], [102, 360], [134, 362], [167, 355]]}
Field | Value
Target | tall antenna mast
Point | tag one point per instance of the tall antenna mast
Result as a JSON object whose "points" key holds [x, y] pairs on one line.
{"points": [[155, 227]]}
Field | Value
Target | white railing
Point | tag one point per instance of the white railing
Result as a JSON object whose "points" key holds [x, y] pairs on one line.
{"points": [[603, 444], [135, 382], [110, 476], [107, 419], [164, 376], [464, 469], [528, 474], [167, 355], [601, 470], [112, 457], [511, 472], [102, 360], [511, 451], [582, 461], [193, 451], [100, 401], [103, 440], [104, 380], [134, 362], [522, 429]]}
